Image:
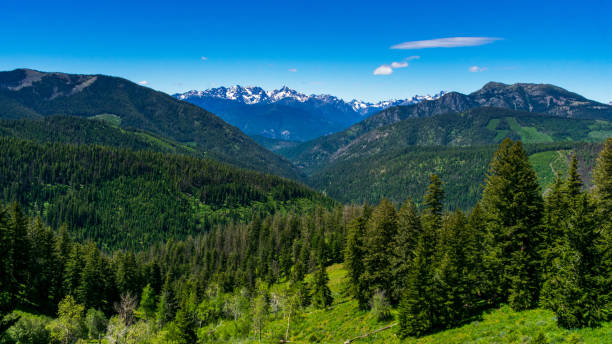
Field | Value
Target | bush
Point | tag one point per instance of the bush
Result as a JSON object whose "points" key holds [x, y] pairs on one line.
{"points": [[380, 307], [30, 330]]}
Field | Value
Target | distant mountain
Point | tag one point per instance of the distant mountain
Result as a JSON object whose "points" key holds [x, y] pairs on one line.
{"points": [[26, 93], [537, 98], [285, 113], [394, 161]]}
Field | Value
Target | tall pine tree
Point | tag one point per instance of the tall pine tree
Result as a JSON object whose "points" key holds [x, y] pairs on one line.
{"points": [[513, 205], [378, 243]]}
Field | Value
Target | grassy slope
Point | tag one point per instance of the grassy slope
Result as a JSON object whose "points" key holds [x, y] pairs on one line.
{"points": [[343, 320]]}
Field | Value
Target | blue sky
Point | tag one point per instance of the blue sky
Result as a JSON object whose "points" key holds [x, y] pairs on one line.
{"points": [[317, 46]]}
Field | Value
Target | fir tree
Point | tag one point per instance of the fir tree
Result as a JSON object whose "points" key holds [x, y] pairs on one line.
{"points": [[420, 303], [433, 203], [353, 258], [321, 294], [378, 244], [148, 302], [404, 243], [575, 288], [512, 202]]}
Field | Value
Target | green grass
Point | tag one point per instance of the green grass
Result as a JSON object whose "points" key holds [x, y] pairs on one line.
{"points": [[343, 320], [528, 134], [111, 119], [493, 124], [547, 164]]}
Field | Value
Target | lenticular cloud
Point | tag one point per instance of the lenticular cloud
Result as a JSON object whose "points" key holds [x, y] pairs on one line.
{"points": [[450, 42]]}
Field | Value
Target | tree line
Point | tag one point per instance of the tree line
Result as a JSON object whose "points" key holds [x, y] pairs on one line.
{"points": [[121, 198], [439, 269], [515, 246]]}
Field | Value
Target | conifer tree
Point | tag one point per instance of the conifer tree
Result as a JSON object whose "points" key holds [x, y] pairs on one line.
{"points": [[513, 205], [433, 203], [166, 307], [419, 305], [602, 180], [44, 266], [321, 294], [378, 244], [416, 309], [147, 303], [404, 243], [7, 278], [453, 285], [575, 287], [573, 184], [353, 258], [21, 253], [91, 289]]}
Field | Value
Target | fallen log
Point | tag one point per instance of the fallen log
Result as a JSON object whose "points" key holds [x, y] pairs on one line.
{"points": [[349, 341]]}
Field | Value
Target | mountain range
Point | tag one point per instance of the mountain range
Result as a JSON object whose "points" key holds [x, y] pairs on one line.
{"points": [[544, 99], [26, 93], [285, 113]]}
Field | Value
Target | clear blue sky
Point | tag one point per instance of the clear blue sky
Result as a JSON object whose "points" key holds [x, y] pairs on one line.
{"points": [[316, 46]]}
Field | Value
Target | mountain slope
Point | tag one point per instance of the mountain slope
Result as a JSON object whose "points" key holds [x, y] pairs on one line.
{"points": [[77, 130], [126, 199], [286, 113], [313, 155], [31, 94], [394, 161]]}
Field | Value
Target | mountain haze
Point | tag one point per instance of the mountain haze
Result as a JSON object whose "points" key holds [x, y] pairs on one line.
{"points": [[285, 113]]}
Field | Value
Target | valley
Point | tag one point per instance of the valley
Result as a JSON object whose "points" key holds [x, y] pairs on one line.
{"points": [[129, 216]]}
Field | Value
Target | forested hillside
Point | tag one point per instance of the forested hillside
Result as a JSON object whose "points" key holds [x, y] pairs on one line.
{"points": [[131, 199], [102, 130], [519, 266], [535, 98], [27, 93]]}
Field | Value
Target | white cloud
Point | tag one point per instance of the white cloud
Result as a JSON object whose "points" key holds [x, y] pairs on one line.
{"points": [[203, 58], [292, 70], [388, 69], [402, 64], [143, 82], [450, 42], [476, 69], [383, 70]]}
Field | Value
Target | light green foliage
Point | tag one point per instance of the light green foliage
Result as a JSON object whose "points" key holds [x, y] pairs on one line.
{"points": [[548, 164], [148, 302], [96, 324], [109, 118], [31, 329], [69, 325], [527, 134], [380, 307]]}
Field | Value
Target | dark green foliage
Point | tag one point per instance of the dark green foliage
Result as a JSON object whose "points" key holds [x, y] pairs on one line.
{"points": [[77, 130], [321, 294], [513, 206], [398, 129], [417, 307], [137, 107], [378, 246], [354, 255], [408, 230], [122, 198], [575, 287]]}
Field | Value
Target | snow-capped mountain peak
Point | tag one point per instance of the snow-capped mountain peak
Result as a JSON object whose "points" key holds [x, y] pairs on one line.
{"points": [[285, 92], [256, 95]]}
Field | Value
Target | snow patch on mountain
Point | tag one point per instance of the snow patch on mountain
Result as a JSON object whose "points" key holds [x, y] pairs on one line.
{"points": [[256, 95]]}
